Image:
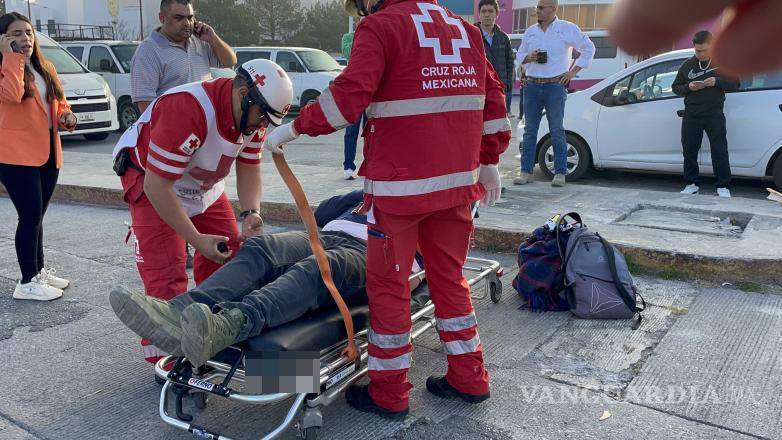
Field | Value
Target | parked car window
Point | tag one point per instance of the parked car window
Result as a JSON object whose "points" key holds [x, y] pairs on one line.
{"points": [[245, 56], [318, 61], [63, 61], [289, 62], [124, 54], [604, 47], [621, 85], [100, 60], [769, 80], [655, 81], [76, 51]]}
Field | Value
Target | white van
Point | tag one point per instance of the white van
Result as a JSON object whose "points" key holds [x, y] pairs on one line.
{"points": [[310, 70], [88, 94], [112, 59], [608, 59]]}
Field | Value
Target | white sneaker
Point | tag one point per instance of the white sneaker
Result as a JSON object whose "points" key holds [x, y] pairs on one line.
{"points": [[723, 192], [523, 179], [47, 276], [690, 189], [36, 290], [349, 174]]}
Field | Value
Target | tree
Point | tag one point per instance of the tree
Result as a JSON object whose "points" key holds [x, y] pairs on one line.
{"points": [[122, 30], [277, 20], [233, 20], [2, 7], [322, 26]]}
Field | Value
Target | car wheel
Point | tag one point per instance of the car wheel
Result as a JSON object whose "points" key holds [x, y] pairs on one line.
{"points": [[778, 172], [96, 136], [308, 97], [577, 158], [127, 114]]}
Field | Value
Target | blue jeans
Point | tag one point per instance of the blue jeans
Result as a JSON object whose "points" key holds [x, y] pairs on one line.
{"points": [[274, 279], [508, 97], [351, 139], [538, 97]]}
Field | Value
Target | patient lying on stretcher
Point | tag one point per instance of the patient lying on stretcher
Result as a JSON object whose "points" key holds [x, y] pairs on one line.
{"points": [[273, 279]]}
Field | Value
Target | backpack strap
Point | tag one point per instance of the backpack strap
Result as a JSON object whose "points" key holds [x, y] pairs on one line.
{"points": [[627, 297], [561, 222]]}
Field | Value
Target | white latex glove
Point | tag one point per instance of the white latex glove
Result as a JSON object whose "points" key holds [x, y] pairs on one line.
{"points": [[280, 136], [489, 177]]}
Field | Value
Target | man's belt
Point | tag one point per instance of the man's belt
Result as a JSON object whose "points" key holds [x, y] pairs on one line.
{"points": [[554, 79]]}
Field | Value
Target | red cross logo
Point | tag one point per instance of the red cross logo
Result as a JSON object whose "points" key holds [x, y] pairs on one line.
{"points": [[449, 33], [209, 178], [260, 79]]}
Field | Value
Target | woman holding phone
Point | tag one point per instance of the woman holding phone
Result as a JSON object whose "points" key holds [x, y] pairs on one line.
{"points": [[32, 109]]}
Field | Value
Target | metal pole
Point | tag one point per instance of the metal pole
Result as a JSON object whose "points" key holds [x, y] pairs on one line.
{"points": [[140, 19], [29, 13]]}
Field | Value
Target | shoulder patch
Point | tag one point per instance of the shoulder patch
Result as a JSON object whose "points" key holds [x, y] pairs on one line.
{"points": [[190, 145]]}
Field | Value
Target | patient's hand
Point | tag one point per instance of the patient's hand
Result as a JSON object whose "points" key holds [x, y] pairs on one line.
{"points": [[251, 226]]}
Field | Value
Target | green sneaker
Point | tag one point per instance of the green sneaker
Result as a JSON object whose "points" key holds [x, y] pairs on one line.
{"points": [[149, 317], [204, 334]]}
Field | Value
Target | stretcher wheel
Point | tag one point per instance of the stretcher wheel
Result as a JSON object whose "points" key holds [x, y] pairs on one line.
{"points": [[311, 433], [495, 291], [200, 400]]}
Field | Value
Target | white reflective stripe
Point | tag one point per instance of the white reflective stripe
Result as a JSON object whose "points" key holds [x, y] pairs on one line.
{"points": [[398, 363], [456, 324], [425, 106], [167, 154], [420, 186], [496, 126], [250, 155], [462, 347], [138, 158], [388, 341], [150, 351], [160, 165], [331, 111]]}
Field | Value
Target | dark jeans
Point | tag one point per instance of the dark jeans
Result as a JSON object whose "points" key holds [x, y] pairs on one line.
{"points": [[508, 97], [692, 136], [351, 139], [274, 279], [30, 189], [550, 97]]}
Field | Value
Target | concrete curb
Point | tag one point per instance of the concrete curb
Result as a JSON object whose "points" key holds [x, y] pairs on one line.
{"points": [[652, 261]]}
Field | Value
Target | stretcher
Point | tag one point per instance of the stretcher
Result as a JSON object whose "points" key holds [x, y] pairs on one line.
{"points": [[322, 331]]}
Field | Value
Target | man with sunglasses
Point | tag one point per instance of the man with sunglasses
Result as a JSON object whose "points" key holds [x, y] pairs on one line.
{"points": [[173, 162], [545, 53]]}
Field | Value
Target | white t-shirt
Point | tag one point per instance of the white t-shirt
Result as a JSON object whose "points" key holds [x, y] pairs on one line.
{"points": [[41, 85]]}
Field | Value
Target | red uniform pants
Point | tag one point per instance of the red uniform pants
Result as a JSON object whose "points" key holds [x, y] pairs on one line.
{"points": [[443, 238], [161, 255]]}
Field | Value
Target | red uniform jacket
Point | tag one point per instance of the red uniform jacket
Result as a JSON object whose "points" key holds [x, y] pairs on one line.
{"points": [[435, 107]]}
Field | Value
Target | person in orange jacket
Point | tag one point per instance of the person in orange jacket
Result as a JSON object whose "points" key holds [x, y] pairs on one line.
{"points": [[436, 126], [32, 109]]}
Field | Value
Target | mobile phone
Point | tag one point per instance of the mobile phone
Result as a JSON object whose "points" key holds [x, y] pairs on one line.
{"points": [[196, 29], [15, 47]]}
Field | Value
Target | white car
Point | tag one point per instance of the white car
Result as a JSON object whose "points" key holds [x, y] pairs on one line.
{"points": [[310, 70], [631, 120], [88, 94], [111, 59]]}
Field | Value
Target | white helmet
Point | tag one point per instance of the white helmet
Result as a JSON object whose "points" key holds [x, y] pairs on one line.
{"points": [[270, 89]]}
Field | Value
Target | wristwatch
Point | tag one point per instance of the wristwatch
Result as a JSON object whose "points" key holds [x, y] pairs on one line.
{"points": [[243, 215]]}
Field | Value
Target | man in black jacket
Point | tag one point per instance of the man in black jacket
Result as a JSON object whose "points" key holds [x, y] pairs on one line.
{"points": [[703, 89], [497, 45]]}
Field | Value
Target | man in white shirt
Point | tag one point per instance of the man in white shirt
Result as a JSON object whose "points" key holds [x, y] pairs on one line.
{"points": [[545, 53]]}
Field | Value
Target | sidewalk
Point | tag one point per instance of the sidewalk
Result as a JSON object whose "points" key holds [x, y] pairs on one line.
{"points": [[698, 237]]}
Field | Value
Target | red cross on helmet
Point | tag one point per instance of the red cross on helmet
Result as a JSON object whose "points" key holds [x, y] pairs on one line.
{"points": [[270, 88]]}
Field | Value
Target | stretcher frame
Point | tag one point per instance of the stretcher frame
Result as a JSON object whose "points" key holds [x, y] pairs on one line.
{"points": [[336, 372]]}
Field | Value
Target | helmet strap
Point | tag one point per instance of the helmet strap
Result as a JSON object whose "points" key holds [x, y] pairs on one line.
{"points": [[246, 104]]}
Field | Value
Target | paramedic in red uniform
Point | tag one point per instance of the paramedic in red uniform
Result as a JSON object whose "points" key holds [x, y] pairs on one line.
{"points": [[436, 127], [173, 162]]}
